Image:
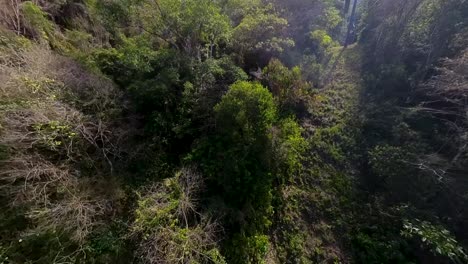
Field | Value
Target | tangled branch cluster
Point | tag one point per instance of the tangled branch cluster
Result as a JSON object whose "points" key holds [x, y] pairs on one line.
{"points": [[47, 137], [173, 230]]}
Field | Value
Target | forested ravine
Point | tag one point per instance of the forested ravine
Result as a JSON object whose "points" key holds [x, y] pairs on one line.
{"points": [[233, 131]]}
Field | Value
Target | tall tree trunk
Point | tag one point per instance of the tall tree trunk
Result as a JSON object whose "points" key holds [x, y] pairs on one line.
{"points": [[350, 25], [347, 5]]}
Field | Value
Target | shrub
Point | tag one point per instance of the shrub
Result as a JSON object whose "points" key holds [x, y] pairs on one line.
{"points": [[287, 85], [249, 249], [37, 22], [55, 126], [331, 144], [437, 238], [289, 146], [249, 150], [239, 158], [262, 31], [209, 81], [385, 160], [395, 170], [169, 225], [380, 246], [53, 134], [323, 43]]}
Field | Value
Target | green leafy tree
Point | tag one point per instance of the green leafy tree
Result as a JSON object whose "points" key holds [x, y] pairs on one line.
{"points": [[208, 82], [287, 85], [237, 9], [237, 161], [439, 240], [244, 118], [250, 150], [195, 27], [289, 146], [262, 30]]}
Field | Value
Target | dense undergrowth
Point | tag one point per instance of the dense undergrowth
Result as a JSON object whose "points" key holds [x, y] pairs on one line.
{"points": [[233, 131]]}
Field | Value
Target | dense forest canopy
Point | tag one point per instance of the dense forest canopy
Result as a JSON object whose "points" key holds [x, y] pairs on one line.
{"points": [[233, 131]]}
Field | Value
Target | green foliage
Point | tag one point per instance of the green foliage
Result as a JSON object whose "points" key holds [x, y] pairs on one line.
{"points": [[437, 238], [287, 85], [312, 69], [209, 81], [267, 25], [159, 208], [331, 18], [250, 149], [331, 142], [113, 15], [79, 39], [108, 243], [296, 245], [379, 247], [237, 158], [244, 118], [42, 248], [237, 9], [249, 249], [322, 38], [130, 60], [407, 157], [53, 135], [393, 170], [136, 54], [289, 149], [419, 27], [215, 256], [293, 249], [37, 21], [385, 159], [39, 24], [188, 25], [329, 197], [170, 228], [323, 43], [246, 112], [10, 41]]}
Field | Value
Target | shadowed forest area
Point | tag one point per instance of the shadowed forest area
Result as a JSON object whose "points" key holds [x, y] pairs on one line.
{"points": [[233, 131]]}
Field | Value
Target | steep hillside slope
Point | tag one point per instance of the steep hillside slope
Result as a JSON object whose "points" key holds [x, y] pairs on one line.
{"points": [[60, 142], [233, 131], [316, 206]]}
